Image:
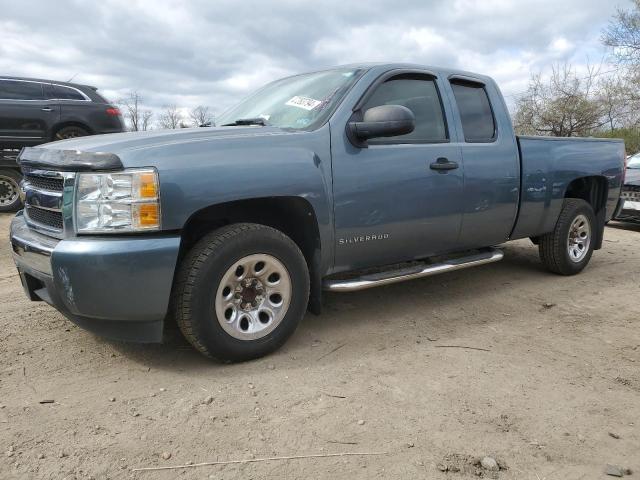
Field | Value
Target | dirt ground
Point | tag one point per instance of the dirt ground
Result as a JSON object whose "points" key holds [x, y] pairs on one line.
{"points": [[552, 391]]}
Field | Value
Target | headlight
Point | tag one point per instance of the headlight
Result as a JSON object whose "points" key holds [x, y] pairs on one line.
{"points": [[117, 202]]}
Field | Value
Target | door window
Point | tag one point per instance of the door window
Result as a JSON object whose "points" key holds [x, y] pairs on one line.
{"points": [[476, 115], [17, 90], [420, 95]]}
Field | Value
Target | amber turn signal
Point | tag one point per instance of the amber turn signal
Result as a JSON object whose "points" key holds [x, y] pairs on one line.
{"points": [[148, 185], [148, 215]]}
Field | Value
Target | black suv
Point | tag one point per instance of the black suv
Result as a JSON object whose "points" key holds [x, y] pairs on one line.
{"points": [[34, 111]]}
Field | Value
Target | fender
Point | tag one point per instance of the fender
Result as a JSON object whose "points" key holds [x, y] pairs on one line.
{"points": [[234, 164]]}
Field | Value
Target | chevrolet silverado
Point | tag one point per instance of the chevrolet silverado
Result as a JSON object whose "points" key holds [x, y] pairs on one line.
{"points": [[339, 180]]}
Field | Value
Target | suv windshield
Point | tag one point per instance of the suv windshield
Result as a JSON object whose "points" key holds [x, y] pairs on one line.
{"points": [[634, 161], [300, 102]]}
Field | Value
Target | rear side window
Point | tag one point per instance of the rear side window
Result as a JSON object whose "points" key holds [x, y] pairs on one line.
{"points": [[58, 92], [100, 98], [16, 90], [420, 95], [476, 115]]}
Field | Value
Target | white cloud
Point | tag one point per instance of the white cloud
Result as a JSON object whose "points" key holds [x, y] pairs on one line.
{"points": [[560, 45], [214, 53]]}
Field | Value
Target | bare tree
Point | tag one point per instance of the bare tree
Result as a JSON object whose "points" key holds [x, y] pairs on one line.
{"points": [[620, 102], [170, 117], [131, 105], [623, 34], [200, 115], [565, 105], [621, 94], [147, 115]]}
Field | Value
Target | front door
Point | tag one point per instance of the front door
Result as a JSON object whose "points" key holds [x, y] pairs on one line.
{"points": [[392, 200]]}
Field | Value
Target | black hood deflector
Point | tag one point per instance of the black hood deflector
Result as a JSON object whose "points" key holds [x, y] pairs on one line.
{"points": [[68, 160]]}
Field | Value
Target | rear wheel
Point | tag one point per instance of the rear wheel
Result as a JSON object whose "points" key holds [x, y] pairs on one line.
{"points": [[568, 248], [10, 190], [70, 132], [241, 292]]}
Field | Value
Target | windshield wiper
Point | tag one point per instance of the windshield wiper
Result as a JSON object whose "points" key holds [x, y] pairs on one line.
{"points": [[247, 121]]}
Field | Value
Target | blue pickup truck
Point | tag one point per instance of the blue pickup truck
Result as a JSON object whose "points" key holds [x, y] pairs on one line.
{"points": [[340, 180]]}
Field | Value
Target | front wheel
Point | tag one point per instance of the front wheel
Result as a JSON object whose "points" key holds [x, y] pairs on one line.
{"points": [[568, 248], [241, 292]]}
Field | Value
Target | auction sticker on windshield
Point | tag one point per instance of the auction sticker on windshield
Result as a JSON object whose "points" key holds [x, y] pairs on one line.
{"points": [[303, 102]]}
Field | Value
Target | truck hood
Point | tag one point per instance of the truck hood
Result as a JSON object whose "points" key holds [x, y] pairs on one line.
{"points": [[118, 150], [116, 143]]}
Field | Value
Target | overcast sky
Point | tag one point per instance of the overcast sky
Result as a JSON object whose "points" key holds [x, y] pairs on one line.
{"points": [[215, 52]]}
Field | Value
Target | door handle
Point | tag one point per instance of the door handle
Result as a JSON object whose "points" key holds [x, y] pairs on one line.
{"points": [[47, 109], [443, 164]]}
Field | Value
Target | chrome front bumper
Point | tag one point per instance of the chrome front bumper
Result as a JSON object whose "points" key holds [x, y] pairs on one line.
{"points": [[30, 248]]}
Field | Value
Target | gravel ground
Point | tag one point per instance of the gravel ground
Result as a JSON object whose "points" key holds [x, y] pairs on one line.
{"points": [[551, 392]]}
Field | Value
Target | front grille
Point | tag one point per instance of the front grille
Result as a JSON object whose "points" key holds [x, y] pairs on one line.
{"points": [[54, 184], [44, 217], [44, 192]]}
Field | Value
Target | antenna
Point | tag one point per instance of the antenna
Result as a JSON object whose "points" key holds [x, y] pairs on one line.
{"points": [[74, 76]]}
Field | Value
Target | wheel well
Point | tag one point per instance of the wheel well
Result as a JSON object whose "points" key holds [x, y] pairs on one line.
{"points": [[595, 191], [59, 127], [293, 216]]}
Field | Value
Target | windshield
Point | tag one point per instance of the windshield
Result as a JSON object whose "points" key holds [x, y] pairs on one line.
{"points": [[634, 161], [300, 102]]}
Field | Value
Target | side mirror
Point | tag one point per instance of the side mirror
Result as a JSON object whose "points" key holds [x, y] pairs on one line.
{"points": [[382, 121]]}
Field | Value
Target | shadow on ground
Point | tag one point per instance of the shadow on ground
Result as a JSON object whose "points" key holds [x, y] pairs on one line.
{"points": [[357, 313]]}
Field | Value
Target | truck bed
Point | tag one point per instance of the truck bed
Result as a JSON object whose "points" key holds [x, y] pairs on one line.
{"points": [[550, 164]]}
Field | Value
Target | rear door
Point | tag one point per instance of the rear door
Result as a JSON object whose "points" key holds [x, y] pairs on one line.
{"points": [[76, 107], [26, 117], [491, 163]]}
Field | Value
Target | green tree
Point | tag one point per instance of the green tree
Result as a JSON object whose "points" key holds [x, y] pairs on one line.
{"points": [[630, 135]]}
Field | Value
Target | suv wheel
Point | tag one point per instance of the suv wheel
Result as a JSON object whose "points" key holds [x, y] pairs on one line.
{"points": [[241, 292], [10, 190], [70, 132], [568, 249]]}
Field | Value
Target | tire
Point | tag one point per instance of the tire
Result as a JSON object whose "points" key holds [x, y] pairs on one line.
{"points": [[10, 200], [558, 250], [211, 283], [70, 132]]}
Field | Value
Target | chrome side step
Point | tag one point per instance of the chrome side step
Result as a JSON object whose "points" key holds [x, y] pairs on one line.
{"points": [[394, 276]]}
